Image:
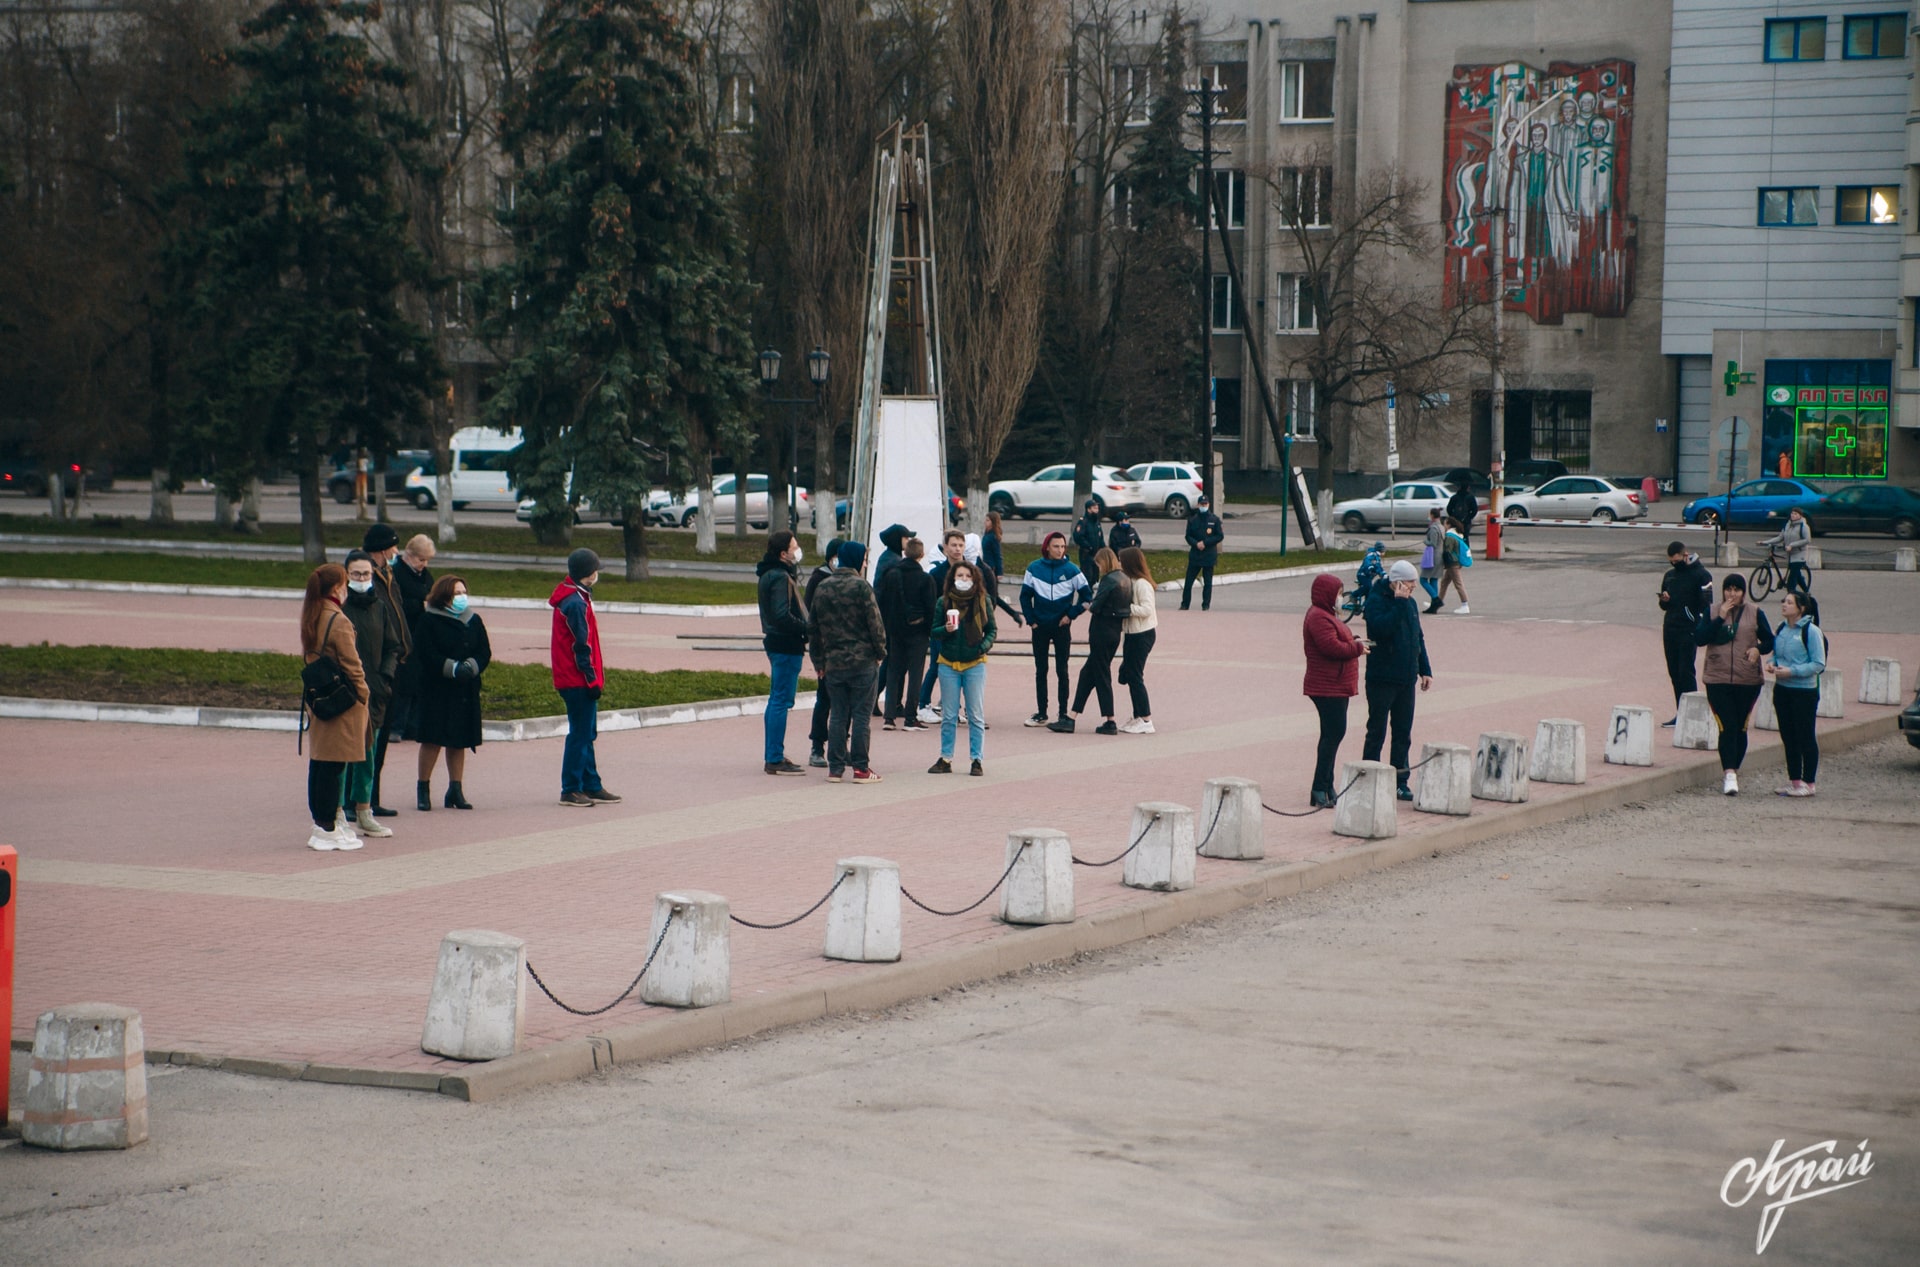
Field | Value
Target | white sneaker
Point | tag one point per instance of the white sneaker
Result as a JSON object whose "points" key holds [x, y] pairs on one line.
{"points": [[929, 716], [323, 840], [1138, 726], [1730, 784], [368, 825], [1462, 610], [343, 835]]}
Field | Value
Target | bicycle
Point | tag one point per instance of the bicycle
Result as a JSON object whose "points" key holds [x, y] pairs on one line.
{"points": [[1764, 579]]}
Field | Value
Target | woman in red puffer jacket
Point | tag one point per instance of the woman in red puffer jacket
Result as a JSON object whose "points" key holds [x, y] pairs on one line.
{"points": [[1333, 677]]}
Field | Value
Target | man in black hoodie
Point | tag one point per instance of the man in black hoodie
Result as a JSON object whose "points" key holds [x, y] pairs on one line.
{"points": [[1463, 506], [817, 731], [1396, 662], [894, 537], [1686, 596]]}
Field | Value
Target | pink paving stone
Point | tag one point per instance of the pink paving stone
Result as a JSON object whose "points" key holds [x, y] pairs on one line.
{"points": [[345, 981]]}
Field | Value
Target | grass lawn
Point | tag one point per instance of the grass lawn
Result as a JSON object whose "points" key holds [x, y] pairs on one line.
{"points": [[165, 569], [260, 679]]}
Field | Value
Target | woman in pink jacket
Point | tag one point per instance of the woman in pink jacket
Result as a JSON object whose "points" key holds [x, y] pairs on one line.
{"points": [[1333, 677]]}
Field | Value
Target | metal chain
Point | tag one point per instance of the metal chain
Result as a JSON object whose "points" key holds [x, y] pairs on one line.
{"points": [[1082, 862], [1215, 823], [1308, 813], [624, 993], [1018, 854], [842, 879]]}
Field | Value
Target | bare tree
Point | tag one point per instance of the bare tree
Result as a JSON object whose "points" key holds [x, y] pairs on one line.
{"points": [[998, 197]]}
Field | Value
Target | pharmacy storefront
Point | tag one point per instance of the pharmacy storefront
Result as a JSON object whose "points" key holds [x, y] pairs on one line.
{"points": [[1826, 420]]}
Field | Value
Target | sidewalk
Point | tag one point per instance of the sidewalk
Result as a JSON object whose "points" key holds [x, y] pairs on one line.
{"points": [[165, 870]]}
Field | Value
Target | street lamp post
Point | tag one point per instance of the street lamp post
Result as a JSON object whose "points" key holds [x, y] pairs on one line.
{"points": [[819, 366]]}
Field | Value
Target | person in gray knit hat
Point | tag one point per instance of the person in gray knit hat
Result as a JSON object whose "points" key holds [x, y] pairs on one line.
{"points": [[1396, 664], [579, 677]]}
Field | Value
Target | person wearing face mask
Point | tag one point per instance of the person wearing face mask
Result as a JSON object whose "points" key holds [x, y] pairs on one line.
{"points": [[380, 544], [450, 652], [783, 635], [379, 649], [579, 677], [334, 742], [1396, 663], [963, 634]]}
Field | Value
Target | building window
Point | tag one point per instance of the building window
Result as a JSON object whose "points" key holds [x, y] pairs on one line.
{"points": [[1226, 313], [1301, 403], [1295, 307], [504, 195], [1063, 94], [1120, 201], [1226, 408], [1785, 206], [1797, 39], [1133, 92], [1875, 35], [1306, 91], [1867, 204], [1231, 78], [1305, 195], [1230, 196], [1831, 416], [736, 103]]}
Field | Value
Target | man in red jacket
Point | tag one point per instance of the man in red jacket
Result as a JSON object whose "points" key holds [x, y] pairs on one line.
{"points": [[578, 676]]}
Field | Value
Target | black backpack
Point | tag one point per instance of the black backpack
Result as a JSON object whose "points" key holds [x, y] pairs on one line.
{"points": [[325, 688]]}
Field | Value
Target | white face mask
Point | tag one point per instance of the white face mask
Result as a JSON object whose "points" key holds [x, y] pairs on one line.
{"points": [[799, 554], [963, 584], [359, 587]]}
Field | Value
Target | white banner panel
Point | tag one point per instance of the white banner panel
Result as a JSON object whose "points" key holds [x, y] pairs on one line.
{"points": [[909, 483]]}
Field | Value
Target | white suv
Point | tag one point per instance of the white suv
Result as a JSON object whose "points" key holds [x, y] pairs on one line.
{"points": [[1050, 491], [1172, 487]]}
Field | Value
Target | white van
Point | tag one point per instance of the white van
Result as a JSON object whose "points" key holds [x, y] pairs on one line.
{"points": [[479, 456]]}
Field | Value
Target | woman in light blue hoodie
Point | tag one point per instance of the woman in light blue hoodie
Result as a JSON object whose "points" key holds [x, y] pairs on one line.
{"points": [[1799, 658]]}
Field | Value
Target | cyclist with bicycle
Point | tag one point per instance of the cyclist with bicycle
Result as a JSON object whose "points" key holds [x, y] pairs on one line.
{"points": [[1794, 537]]}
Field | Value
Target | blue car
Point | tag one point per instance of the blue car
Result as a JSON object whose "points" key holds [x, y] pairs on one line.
{"points": [[1753, 502]]}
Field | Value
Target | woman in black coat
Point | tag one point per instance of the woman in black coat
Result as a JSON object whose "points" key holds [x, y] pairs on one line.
{"points": [[450, 652]]}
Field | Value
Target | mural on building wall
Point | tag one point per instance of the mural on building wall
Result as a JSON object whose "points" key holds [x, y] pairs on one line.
{"points": [[1551, 148]]}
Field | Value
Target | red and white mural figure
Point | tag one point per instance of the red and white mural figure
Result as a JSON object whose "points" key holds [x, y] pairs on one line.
{"points": [[1551, 149]]}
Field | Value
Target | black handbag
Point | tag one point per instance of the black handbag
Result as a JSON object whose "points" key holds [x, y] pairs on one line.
{"points": [[325, 688]]}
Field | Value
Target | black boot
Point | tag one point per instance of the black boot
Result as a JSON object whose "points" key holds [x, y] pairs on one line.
{"points": [[424, 790], [453, 799]]}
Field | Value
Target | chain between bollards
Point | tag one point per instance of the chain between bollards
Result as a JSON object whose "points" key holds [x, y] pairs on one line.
{"points": [[1218, 807], [624, 993], [1081, 862], [1308, 813], [840, 880], [1018, 854]]}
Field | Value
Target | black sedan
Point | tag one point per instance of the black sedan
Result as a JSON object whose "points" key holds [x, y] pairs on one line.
{"points": [[1867, 508]]}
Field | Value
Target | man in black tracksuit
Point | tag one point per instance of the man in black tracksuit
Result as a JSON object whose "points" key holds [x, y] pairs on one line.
{"points": [[817, 732], [1088, 539], [1204, 535], [1396, 663], [1686, 596]]}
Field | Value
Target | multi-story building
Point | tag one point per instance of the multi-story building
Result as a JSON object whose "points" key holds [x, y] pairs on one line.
{"points": [[1792, 270], [1544, 122]]}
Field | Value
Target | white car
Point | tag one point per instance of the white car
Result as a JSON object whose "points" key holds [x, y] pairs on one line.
{"points": [[671, 510], [1172, 487], [1573, 497], [1404, 505], [1049, 490]]}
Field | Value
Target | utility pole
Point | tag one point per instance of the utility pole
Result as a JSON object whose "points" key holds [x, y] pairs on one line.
{"points": [[1499, 401], [1207, 95]]}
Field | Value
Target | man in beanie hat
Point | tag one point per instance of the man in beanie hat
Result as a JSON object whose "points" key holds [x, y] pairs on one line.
{"points": [[579, 677], [1204, 535], [380, 544], [1396, 662]]}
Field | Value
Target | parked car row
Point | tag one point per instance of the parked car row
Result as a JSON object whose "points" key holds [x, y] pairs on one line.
{"points": [[1165, 488], [31, 478]]}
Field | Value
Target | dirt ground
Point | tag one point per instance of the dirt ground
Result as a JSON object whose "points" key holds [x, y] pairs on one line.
{"points": [[1546, 1049]]}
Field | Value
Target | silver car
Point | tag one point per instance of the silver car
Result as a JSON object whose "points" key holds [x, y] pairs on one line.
{"points": [[1574, 497], [1404, 505]]}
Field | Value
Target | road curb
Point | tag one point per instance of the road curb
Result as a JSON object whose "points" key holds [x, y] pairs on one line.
{"points": [[241, 591], [1016, 950]]}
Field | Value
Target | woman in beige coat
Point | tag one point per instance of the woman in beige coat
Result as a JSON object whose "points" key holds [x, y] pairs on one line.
{"points": [[337, 742]]}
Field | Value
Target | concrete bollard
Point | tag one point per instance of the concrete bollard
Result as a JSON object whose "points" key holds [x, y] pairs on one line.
{"points": [[694, 966], [1163, 859], [1906, 559], [1630, 736], [87, 1082], [1444, 782], [1367, 807], [1764, 717], [1812, 558], [1833, 694], [1880, 682], [1500, 768], [863, 916], [1039, 889], [1236, 828], [1559, 751], [1695, 727], [1730, 555], [478, 1007]]}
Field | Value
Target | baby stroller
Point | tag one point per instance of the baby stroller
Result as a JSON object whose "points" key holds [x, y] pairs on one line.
{"points": [[1372, 568]]}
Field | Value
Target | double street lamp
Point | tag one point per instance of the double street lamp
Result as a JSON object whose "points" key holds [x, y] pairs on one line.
{"points": [[819, 366]]}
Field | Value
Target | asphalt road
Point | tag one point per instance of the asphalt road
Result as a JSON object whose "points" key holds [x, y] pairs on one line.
{"points": [[1551, 1048]]}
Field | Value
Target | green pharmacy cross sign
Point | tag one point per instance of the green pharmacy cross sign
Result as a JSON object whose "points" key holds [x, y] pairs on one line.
{"points": [[1840, 441], [1733, 377]]}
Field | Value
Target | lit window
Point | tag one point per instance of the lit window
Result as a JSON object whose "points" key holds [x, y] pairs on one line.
{"points": [[1796, 40], [1875, 35], [1306, 90], [1867, 204], [1226, 313], [1790, 206], [1295, 307]]}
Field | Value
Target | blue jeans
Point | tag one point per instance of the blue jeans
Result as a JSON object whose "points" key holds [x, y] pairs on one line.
{"points": [[786, 679], [952, 684], [1432, 587], [578, 773]]}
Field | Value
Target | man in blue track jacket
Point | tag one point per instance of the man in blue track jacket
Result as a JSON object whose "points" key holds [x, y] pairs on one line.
{"points": [[1052, 593]]}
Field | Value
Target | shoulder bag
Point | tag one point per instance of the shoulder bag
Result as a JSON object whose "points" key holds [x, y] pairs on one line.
{"points": [[325, 688]]}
